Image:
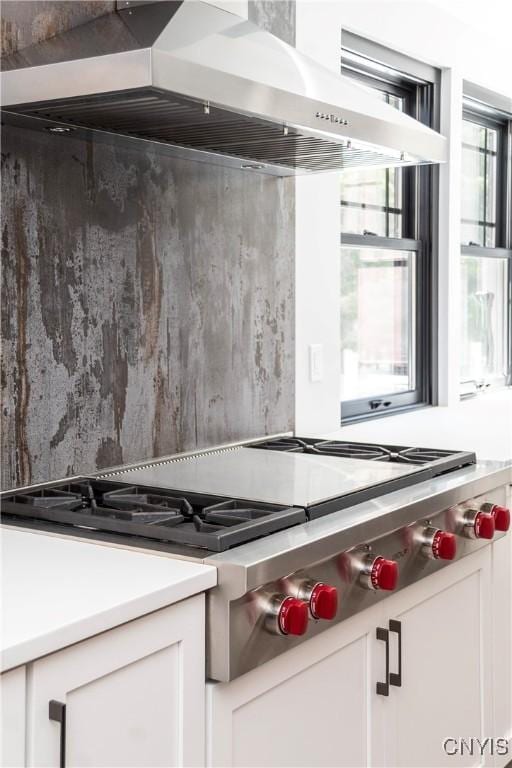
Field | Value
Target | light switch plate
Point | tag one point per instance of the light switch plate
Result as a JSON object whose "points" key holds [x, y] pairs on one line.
{"points": [[316, 362]]}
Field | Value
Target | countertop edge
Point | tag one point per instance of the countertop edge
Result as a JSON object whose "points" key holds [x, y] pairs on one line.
{"points": [[25, 652]]}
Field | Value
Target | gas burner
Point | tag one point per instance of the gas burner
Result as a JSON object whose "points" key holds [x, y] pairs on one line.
{"points": [[378, 452], [231, 513], [138, 505], [288, 444], [351, 450], [398, 454], [197, 520], [137, 515], [48, 498], [423, 455]]}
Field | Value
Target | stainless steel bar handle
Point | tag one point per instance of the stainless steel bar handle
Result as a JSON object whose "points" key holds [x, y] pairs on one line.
{"points": [[383, 688], [57, 712]]}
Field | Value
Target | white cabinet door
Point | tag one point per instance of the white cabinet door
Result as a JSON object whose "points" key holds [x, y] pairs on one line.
{"points": [[133, 696], [318, 705], [308, 707], [13, 717], [502, 634], [446, 672]]}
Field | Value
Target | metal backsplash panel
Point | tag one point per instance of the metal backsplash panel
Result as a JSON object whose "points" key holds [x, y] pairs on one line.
{"points": [[147, 305]]}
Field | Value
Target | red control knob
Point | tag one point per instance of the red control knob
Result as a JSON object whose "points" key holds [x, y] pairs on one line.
{"points": [[444, 545], [501, 517], [324, 602], [293, 616], [484, 526], [384, 573]]}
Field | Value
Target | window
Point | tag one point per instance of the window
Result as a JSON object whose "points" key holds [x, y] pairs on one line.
{"points": [[371, 198], [484, 320], [478, 199], [386, 252], [378, 322], [486, 256]]}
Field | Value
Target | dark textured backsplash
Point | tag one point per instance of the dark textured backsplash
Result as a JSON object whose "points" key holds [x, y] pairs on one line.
{"points": [[147, 303], [31, 21]]}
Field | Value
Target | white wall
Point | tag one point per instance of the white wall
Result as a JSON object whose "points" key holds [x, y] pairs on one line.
{"points": [[473, 35], [451, 35], [239, 7], [317, 239]]}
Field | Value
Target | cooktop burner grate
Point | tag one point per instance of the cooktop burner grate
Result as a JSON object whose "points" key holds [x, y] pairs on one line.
{"points": [[288, 444], [196, 520], [351, 451], [369, 451]]}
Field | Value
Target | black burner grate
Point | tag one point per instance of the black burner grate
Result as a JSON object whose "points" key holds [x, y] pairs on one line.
{"points": [[48, 498], [351, 450], [288, 444], [426, 457], [196, 520]]}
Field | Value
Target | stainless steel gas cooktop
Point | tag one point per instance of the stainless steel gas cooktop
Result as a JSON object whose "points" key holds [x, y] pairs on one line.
{"points": [[300, 472], [221, 499], [303, 532]]}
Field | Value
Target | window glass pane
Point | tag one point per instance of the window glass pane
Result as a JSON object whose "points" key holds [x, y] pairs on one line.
{"points": [[371, 201], [473, 168], [484, 318], [378, 310], [490, 212], [395, 101], [371, 198], [479, 184], [473, 134]]}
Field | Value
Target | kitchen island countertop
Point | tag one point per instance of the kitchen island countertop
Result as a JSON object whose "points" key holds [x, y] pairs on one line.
{"points": [[57, 591]]}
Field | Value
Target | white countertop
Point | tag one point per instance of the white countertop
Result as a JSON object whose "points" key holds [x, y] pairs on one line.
{"points": [[482, 424], [57, 591]]}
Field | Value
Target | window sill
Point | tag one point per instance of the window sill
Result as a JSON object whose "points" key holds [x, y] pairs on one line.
{"points": [[481, 424], [365, 417]]}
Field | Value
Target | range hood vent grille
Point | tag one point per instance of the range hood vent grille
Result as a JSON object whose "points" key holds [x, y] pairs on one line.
{"points": [[172, 119]]}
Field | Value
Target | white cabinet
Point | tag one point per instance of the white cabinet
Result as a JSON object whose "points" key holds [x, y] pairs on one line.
{"points": [[132, 696], [317, 705], [502, 635], [309, 707], [12, 692], [446, 673]]}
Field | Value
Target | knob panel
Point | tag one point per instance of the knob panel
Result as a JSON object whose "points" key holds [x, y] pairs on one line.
{"points": [[437, 544], [478, 524], [501, 518], [323, 602], [283, 614], [376, 572], [484, 526], [444, 545], [501, 515], [321, 598], [293, 616], [384, 574]]}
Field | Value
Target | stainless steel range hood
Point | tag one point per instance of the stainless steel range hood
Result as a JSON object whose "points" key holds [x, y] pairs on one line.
{"points": [[211, 87]]}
